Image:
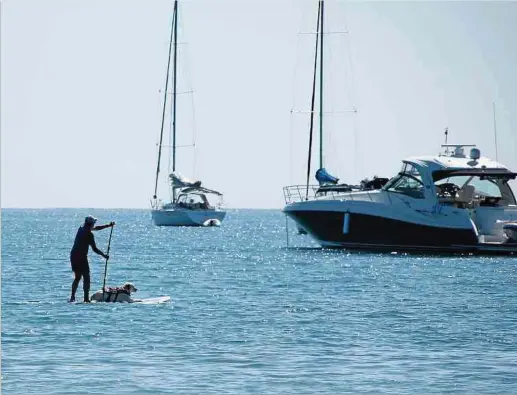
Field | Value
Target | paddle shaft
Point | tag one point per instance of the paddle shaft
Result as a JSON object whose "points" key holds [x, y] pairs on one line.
{"points": [[106, 265]]}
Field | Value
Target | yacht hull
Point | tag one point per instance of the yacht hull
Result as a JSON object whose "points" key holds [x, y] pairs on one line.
{"points": [[187, 217], [357, 230], [329, 229]]}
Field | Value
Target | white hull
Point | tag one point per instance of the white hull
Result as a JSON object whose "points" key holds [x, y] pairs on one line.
{"points": [[187, 217]]}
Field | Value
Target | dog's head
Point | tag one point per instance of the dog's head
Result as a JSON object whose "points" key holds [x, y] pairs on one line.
{"points": [[129, 287]]}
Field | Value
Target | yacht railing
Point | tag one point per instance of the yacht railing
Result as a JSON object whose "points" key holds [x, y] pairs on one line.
{"points": [[300, 193]]}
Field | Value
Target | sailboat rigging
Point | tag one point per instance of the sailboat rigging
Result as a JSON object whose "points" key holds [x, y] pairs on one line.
{"points": [[173, 37], [327, 184], [322, 176], [191, 203], [313, 97]]}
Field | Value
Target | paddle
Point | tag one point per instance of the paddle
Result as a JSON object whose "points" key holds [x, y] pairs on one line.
{"points": [[106, 266]]}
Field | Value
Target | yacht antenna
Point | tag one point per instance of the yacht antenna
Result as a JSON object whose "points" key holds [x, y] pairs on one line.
{"points": [[446, 134], [495, 133]]}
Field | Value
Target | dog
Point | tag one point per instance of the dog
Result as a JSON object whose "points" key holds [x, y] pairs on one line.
{"points": [[118, 294]]}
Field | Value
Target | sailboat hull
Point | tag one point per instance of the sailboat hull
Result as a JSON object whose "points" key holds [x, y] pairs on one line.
{"points": [[187, 217]]}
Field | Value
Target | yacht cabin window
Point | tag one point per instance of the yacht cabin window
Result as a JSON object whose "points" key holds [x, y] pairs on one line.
{"points": [[407, 182]]}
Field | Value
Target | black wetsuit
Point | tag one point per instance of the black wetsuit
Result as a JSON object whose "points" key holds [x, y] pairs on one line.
{"points": [[79, 259]]}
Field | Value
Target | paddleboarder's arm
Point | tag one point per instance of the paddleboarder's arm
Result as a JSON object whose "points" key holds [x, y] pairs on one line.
{"points": [[101, 227], [94, 247]]}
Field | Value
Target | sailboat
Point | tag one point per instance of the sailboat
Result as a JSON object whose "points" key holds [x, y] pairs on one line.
{"points": [[191, 204]]}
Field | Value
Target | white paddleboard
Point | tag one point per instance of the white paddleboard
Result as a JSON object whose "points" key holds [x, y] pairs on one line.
{"points": [[159, 299]]}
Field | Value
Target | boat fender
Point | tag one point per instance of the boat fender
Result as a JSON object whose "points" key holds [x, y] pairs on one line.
{"points": [[212, 222]]}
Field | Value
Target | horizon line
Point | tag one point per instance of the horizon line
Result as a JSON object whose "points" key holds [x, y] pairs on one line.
{"points": [[123, 208]]}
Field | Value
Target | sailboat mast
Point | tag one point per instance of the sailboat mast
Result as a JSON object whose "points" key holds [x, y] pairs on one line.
{"points": [[174, 93], [495, 132], [312, 102], [164, 105], [321, 84]]}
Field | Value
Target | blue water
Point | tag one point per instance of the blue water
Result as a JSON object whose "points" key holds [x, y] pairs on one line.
{"points": [[247, 314]]}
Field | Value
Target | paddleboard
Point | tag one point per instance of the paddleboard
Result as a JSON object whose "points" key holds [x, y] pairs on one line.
{"points": [[158, 299]]}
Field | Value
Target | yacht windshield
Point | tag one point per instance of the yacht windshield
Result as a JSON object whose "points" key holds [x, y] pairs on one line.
{"points": [[407, 182], [486, 190]]}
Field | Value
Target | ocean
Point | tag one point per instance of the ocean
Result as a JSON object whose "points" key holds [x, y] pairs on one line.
{"points": [[248, 314]]}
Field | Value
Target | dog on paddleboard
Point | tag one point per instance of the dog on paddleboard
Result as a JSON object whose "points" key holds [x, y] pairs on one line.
{"points": [[117, 294]]}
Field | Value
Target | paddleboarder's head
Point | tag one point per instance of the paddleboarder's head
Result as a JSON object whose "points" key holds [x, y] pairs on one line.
{"points": [[90, 221]]}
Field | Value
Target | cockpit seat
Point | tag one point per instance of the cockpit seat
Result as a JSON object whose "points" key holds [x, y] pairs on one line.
{"points": [[510, 231], [466, 194]]}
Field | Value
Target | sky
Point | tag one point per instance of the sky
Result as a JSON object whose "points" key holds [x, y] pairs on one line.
{"points": [[82, 93]]}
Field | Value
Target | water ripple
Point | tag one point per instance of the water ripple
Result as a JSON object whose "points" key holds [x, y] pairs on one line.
{"points": [[248, 314]]}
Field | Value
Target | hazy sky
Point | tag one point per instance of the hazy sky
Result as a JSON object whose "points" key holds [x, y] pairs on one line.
{"points": [[81, 103]]}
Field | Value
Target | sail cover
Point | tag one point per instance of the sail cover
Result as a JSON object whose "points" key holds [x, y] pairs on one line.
{"points": [[179, 181], [201, 190], [325, 178], [187, 186]]}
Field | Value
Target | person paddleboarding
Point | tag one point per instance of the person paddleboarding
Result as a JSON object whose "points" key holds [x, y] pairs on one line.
{"points": [[79, 255]]}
